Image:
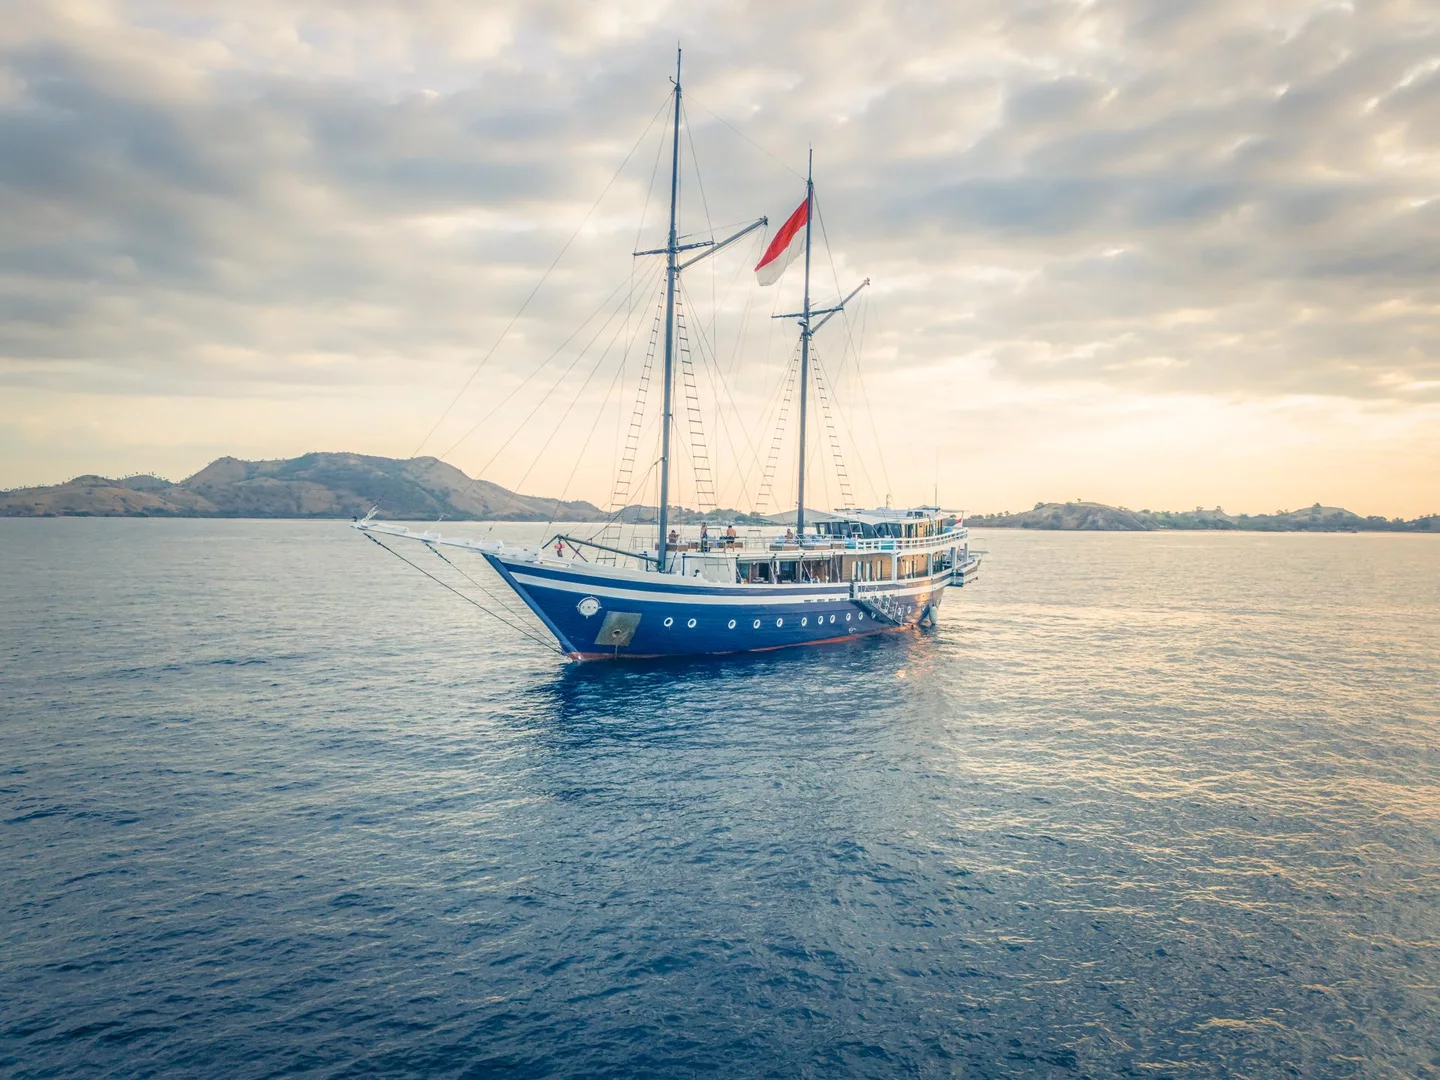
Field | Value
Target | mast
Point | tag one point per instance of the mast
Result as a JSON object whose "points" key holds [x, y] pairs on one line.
{"points": [[671, 272], [805, 333]]}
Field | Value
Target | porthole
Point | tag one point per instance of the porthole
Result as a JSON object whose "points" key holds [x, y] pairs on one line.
{"points": [[691, 624], [805, 621], [757, 624], [732, 624], [847, 616], [669, 621], [832, 618], [779, 622], [862, 616]]}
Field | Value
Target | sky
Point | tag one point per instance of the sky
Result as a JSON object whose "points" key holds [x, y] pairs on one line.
{"points": [[1152, 254]]}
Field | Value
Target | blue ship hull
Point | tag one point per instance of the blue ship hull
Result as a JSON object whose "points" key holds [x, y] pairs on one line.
{"points": [[599, 615]]}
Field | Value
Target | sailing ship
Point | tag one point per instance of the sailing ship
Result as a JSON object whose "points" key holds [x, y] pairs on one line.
{"points": [[832, 577]]}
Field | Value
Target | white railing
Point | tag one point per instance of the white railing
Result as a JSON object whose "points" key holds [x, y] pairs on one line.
{"points": [[720, 545], [878, 543]]}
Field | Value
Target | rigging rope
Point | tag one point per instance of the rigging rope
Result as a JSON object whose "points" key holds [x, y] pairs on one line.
{"points": [[499, 601], [691, 95], [850, 337], [565, 415], [543, 278], [777, 398], [620, 490], [545, 363], [768, 477], [717, 383], [469, 600], [841, 472], [699, 455], [585, 446]]}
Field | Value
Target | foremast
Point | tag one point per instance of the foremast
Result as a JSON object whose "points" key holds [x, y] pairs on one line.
{"points": [[672, 249], [673, 266]]}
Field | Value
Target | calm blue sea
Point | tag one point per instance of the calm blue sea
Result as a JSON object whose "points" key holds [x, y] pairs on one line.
{"points": [[1162, 805]]}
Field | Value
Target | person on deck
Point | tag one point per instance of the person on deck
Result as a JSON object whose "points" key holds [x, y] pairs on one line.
{"points": [[789, 536], [730, 536], [559, 549], [704, 537], [673, 539]]}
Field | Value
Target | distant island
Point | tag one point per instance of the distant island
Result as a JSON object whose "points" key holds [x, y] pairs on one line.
{"points": [[1097, 517], [336, 485], [319, 485]]}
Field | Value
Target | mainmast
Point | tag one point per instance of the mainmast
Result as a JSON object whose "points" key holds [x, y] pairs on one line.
{"points": [[672, 271], [808, 329], [805, 333]]}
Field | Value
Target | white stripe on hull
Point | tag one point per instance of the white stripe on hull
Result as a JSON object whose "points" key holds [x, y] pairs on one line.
{"points": [[741, 599]]}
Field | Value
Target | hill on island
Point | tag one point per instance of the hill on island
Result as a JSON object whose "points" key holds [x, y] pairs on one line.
{"points": [[313, 485], [330, 485], [1092, 516], [318, 485]]}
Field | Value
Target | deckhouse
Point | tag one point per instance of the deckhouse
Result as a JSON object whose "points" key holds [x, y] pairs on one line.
{"points": [[858, 545]]}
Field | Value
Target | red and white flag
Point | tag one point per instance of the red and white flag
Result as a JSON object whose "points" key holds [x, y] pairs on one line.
{"points": [[788, 243]]}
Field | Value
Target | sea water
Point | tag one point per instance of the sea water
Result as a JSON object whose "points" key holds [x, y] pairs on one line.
{"points": [[272, 804]]}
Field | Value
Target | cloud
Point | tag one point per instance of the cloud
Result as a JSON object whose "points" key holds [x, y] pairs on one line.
{"points": [[1223, 200]]}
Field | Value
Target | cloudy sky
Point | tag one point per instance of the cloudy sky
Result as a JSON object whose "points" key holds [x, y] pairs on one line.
{"points": [[1143, 252]]}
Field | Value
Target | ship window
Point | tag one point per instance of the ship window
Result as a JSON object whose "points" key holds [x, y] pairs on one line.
{"points": [[757, 624], [805, 621], [862, 616], [779, 622], [669, 622], [732, 624], [847, 616], [691, 624], [832, 618]]}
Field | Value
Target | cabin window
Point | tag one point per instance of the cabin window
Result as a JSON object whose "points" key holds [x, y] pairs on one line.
{"points": [[912, 566]]}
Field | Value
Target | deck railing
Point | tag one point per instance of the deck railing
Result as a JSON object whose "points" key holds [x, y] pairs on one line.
{"points": [[878, 543], [719, 545]]}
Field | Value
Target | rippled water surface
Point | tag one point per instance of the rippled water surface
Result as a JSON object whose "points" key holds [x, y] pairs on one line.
{"points": [[1145, 805]]}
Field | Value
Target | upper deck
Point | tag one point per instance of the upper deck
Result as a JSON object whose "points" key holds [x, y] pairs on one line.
{"points": [[864, 545], [916, 530]]}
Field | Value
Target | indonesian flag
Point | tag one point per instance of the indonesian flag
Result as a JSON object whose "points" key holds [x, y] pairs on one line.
{"points": [[788, 243]]}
